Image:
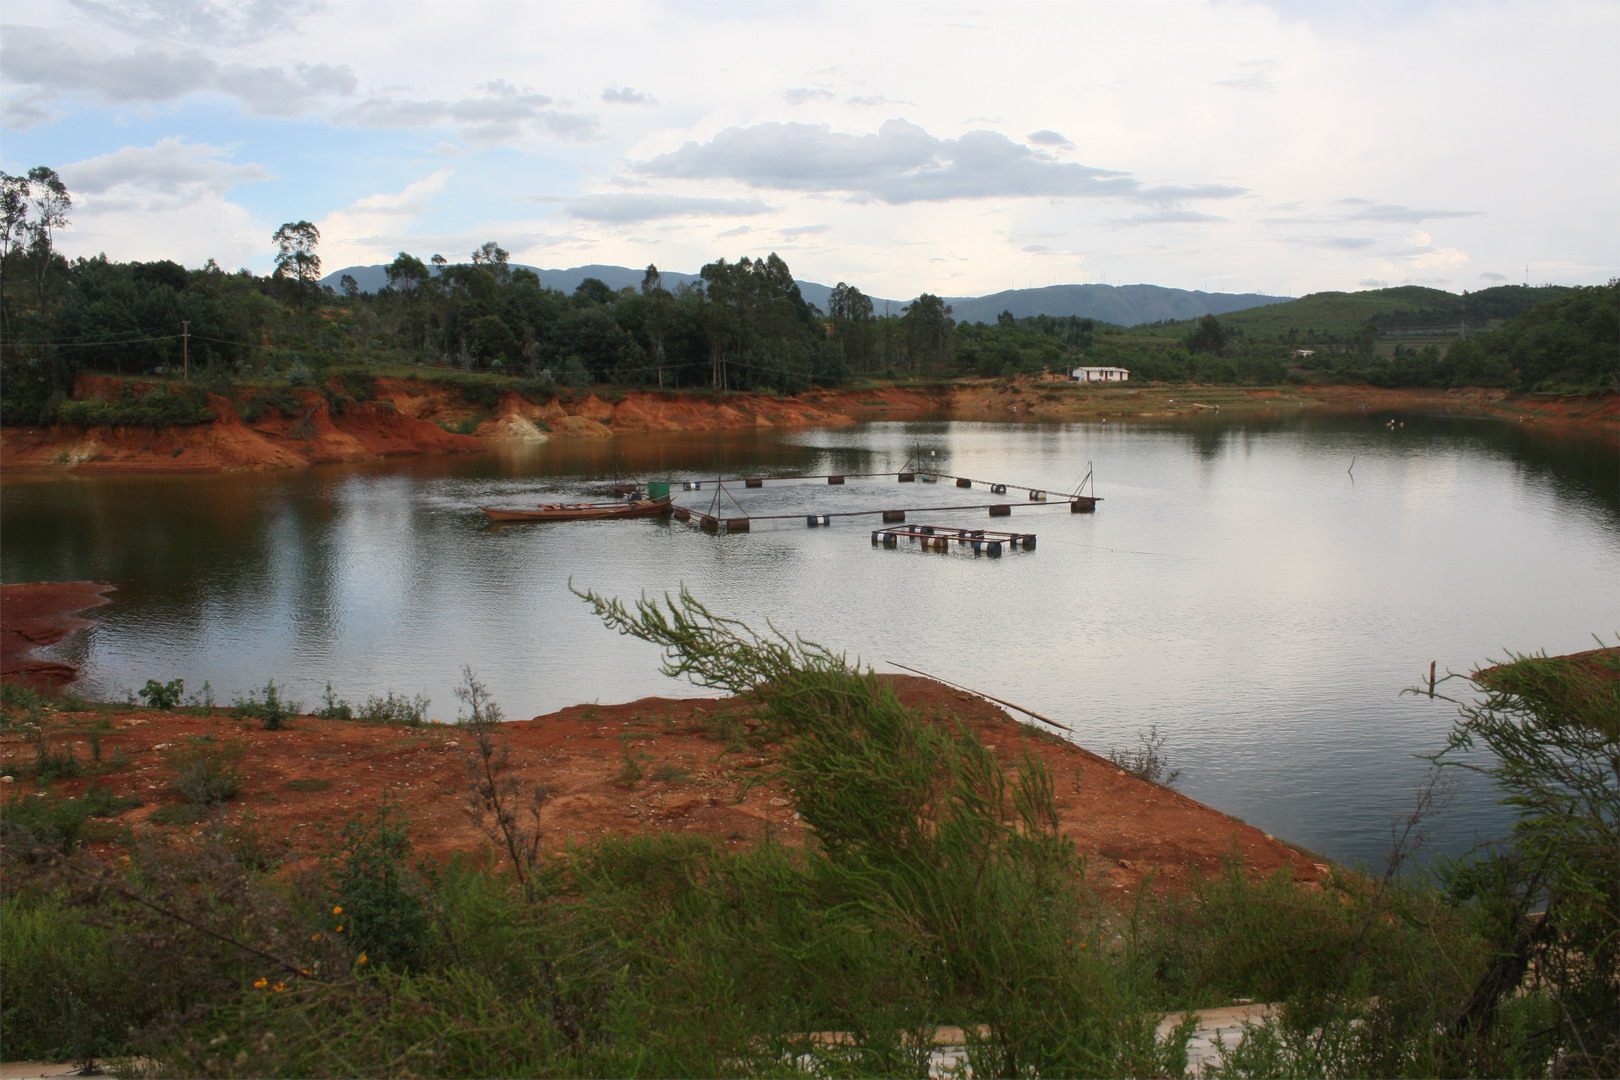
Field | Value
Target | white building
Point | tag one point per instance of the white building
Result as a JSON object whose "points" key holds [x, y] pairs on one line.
{"points": [[1101, 374]]}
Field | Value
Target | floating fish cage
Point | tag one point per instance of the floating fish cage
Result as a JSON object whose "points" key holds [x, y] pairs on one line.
{"points": [[942, 538]]}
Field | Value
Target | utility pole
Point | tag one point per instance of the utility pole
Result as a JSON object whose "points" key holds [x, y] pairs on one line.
{"points": [[185, 349]]}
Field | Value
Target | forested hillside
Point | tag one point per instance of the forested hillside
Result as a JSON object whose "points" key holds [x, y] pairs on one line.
{"points": [[1341, 318], [742, 325], [1126, 305]]}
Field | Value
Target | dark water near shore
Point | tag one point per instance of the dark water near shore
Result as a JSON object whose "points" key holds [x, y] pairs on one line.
{"points": [[1241, 587]]}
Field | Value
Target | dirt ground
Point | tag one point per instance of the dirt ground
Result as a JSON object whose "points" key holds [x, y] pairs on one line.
{"points": [[32, 616], [410, 416], [653, 764]]}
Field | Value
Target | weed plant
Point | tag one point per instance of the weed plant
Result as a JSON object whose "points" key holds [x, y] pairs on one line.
{"points": [[390, 708], [206, 775], [270, 710], [1148, 761]]}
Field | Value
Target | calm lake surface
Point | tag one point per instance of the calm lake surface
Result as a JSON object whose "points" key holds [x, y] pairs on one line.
{"points": [[1241, 587]]}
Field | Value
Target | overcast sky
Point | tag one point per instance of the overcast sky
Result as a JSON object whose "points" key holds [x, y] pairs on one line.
{"points": [[958, 149]]}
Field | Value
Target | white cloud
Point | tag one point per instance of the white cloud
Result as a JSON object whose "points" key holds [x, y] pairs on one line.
{"points": [[53, 64], [624, 95], [377, 227], [27, 110], [501, 114], [1439, 257], [1312, 137], [624, 208], [166, 201], [901, 163], [201, 21], [164, 176]]}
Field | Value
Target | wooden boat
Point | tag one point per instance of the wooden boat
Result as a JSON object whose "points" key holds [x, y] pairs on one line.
{"points": [[584, 511]]}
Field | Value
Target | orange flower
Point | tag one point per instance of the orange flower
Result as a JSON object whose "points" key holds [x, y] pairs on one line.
{"points": [[338, 910], [261, 984], [362, 958], [279, 987], [314, 937], [339, 930]]}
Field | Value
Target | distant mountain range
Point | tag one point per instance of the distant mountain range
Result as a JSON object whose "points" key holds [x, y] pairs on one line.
{"points": [[1123, 305]]}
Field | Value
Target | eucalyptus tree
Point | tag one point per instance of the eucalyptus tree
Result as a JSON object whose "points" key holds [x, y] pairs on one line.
{"points": [[850, 312], [33, 207], [296, 261], [761, 332], [929, 332], [494, 258]]}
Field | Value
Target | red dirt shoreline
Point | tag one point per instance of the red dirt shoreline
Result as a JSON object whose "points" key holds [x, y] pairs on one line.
{"points": [[39, 614], [317, 773], [409, 416]]}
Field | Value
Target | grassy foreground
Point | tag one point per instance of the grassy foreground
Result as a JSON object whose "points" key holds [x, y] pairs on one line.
{"points": [[936, 891]]}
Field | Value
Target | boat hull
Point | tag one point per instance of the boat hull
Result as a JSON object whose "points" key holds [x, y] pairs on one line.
{"points": [[583, 511]]}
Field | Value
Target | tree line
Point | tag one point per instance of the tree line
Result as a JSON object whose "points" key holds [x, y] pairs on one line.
{"points": [[742, 326]]}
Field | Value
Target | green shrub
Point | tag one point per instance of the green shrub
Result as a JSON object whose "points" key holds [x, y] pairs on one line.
{"points": [[208, 775], [55, 970], [390, 708], [154, 407], [163, 696], [630, 771], [19, 699], [179, 814], [484, 393], [1148, 761], [260, 401], [272, 712], [374, 891], [394, 708], [53, 760], [45, 822], [333, 707], [359, 386]]}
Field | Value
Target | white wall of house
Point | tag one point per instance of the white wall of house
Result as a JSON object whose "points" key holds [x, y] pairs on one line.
{"points": [[1101, 374]]}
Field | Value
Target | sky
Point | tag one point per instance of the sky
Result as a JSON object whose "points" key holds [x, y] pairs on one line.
{"points": [[958, 149]]}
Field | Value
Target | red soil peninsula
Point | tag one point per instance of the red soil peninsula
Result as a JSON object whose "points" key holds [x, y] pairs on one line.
{"points": [[684, 773]]}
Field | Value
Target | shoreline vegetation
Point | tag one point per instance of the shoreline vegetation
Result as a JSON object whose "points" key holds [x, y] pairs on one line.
{"points": [[815, 874], [354, 417]]}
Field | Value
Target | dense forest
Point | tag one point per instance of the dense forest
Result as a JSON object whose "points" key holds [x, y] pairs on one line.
{"points": [[742, 326]]}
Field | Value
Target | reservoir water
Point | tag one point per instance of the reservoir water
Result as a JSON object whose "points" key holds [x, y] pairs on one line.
{"points": [[1258, 587]]}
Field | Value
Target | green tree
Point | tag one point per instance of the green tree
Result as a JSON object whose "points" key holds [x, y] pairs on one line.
{"points": [[406, 273], [761, 333], [850, 312], [491, 341], [1209, 336], [593, 292], [494, 258], [929, 331], [33, 208], [296, 261]]}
